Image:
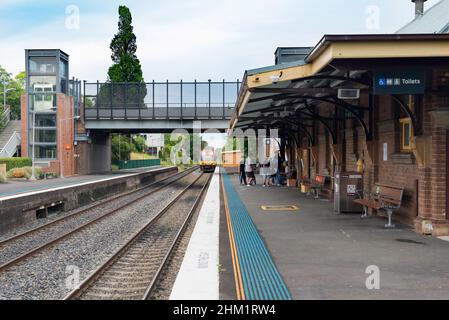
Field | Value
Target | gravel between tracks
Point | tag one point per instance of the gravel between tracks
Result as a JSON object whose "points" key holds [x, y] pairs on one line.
{"points": [[167, 280], [46, 275], [132, 272], [21, 245]]}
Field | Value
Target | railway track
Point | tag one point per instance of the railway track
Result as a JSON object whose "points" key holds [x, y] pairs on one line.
{"points": [[133, 271], [36, 235]]}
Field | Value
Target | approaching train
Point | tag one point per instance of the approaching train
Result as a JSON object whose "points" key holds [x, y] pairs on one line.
{"points": [[208, 161]]}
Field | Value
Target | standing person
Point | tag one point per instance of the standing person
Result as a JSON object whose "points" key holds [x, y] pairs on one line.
{"points": [[274, 168], [242, 172], [279, 168], [255, 166], [249, 172], [265, 168]]}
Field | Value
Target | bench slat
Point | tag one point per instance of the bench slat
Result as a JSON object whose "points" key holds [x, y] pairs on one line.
{"points": [[368, 203], [385, 195]]}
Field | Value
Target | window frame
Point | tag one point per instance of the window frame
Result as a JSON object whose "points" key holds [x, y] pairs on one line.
{"points": [[403, 123]]}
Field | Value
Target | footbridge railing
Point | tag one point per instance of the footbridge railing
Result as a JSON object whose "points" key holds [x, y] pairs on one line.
{"points": [[5, 117], [160, 100], [10, 148]]}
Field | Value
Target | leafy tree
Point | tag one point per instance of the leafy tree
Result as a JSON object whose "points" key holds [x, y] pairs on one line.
{"points": [[170, 144], [13, 97], [126, 67], [20, 78], [122, 146], [139, 143]]}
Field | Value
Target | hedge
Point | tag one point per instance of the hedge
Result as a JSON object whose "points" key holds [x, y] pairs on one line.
{"points": [[12, 163]]}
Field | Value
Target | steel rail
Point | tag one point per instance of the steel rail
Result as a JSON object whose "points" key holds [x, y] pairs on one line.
{"points": [[96, 274], [175, 241], [35, 250], [82, 211]]}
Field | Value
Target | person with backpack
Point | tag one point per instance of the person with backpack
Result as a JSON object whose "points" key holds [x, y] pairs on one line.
{"points": [[249, 171]]}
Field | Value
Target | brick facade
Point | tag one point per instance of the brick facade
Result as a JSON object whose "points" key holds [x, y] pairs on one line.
{"points": [[421, 171], [65, 134]]}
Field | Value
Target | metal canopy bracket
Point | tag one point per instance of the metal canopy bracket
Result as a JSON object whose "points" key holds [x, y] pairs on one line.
{"points": [[354, 110], [416, 123]]}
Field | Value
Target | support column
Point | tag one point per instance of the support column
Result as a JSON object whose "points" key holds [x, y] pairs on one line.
{"points": [[433, 174]]}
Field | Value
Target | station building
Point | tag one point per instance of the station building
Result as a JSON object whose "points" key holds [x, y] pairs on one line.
{"points": [[376, 104]]}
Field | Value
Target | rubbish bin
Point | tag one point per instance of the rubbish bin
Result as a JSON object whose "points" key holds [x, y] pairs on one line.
{"points": [[346, 186]]}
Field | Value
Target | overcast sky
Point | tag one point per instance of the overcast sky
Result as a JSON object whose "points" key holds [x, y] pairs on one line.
{"points": [[187, 39]]}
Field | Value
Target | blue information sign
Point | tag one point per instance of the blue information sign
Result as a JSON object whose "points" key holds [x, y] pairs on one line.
{"points": [[410, 81]]}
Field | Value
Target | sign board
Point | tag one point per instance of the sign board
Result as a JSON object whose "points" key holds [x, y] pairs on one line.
{"points": [[410, 81], [351, 189]]}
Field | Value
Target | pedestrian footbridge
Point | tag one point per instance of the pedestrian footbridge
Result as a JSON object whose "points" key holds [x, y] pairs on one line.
{"points": [[159, 106]]}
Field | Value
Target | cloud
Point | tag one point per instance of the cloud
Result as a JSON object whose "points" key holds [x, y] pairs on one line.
{"points": [[195, 39]]}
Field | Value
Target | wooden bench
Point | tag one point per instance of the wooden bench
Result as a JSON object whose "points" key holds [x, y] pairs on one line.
{"points": [[316, 185], [386, 197]]}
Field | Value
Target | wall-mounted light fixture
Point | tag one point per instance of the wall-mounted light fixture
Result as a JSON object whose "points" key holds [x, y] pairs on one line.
{"points": [[275, 79]]}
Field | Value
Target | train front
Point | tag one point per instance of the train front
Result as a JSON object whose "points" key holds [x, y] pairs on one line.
{"points": [[208, 162]]}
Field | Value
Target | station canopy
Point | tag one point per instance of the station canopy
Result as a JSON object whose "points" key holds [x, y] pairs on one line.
{"points": [[288, 95]]}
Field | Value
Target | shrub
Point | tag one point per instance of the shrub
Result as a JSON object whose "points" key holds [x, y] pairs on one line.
{"points": [[139, 144], [12, 163], [2, 178], [52, 175], [122, 147], [38, 172], [18, 173]]}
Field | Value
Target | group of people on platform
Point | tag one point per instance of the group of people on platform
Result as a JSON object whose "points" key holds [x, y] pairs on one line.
{"points": [[270, 169]]}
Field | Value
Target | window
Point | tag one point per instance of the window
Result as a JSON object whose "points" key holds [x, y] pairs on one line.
{"points": [[43, 103], [406, 134], [45, 120], [43, 83], [63, 69], [152, 151], [45, 135], [42, 65], [44, 151]]}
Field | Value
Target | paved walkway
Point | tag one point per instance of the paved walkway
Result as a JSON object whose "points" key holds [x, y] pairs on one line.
{"points": [[257, 277], [198, 277], [322, 255], [16, 187]]}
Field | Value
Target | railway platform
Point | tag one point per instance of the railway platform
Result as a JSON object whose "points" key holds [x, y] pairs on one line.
{"points": [[198, 276], [17, 188], [24, 202], [318, 254]]}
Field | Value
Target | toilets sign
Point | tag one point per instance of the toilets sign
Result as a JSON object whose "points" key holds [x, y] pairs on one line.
{"points": [[399, 82]]}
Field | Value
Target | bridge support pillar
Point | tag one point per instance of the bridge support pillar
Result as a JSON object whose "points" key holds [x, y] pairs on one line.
{"points": [[94, 156]]}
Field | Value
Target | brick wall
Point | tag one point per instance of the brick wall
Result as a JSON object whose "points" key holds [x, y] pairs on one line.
{"points": [[65, 134], [425, 184]]}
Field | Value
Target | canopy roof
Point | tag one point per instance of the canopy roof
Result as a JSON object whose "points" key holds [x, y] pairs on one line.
{"points": [[337, 61]]}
